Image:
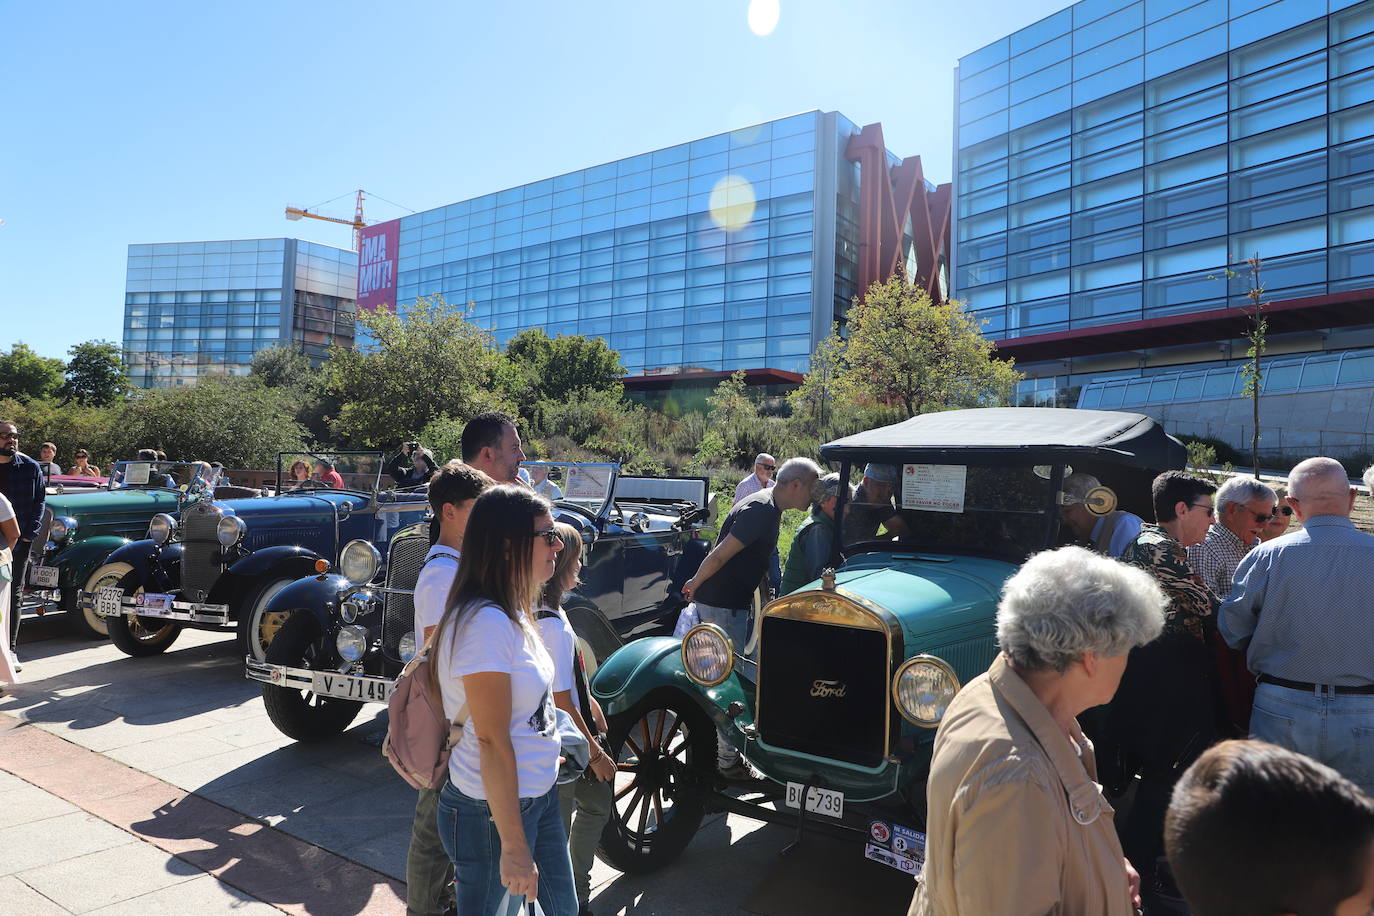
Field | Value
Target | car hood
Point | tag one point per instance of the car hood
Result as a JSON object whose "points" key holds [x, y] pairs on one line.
{"points": [[105, 502], [291, 506], [926, 592]]}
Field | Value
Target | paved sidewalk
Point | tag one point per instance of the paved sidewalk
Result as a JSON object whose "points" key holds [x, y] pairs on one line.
{"points": [[84, 834]]}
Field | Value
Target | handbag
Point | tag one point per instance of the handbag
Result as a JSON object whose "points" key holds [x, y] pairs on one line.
{"points": [[419, 737]]}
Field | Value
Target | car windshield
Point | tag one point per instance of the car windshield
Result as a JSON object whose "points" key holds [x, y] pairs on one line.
{"points": [[167, 475], [328, 470], [586, 485], [1003, 509]]}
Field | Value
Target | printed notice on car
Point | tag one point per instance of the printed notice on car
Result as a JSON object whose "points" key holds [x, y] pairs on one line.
{"points": [[934, 487], [137, 473]]}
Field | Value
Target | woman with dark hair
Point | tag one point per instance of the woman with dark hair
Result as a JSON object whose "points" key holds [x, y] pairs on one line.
{"points": [[590, 796], [498, 813], [83, 467]]}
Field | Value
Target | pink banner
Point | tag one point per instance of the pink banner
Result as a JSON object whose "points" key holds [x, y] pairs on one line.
{"points": [[377, 266]]}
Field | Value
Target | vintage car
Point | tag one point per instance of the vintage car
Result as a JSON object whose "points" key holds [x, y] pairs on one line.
{"points": [[219, 565], [855, 671], [83, 524], [345, 636]]}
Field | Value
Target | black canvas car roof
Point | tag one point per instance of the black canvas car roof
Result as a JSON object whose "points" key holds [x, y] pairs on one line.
{"points": [[1046, 435]]}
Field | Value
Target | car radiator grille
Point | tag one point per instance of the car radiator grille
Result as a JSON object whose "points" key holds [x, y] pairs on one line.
{"points": [[398, 607], [823, 690], [200, 563]]}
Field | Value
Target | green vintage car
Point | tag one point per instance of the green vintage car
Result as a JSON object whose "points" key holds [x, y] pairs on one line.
{"points": [[80, 528], [855, 671]]}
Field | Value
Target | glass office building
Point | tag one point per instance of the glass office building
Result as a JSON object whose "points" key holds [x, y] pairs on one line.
{"points": [[204, 308], [733, 251], [1118, 162]]}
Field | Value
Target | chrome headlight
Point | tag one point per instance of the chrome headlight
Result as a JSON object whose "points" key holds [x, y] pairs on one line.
{"points": [[351, 643], [62, 528], [162, 527], [923, 687], [230, 530], [359, 562], [355, 605], [407, 647], [707, 654]]}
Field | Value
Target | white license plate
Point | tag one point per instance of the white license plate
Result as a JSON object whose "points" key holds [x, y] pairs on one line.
{"points": [[818, 800], [43, 576], [153, 604], [109, 601], [351, 687]]}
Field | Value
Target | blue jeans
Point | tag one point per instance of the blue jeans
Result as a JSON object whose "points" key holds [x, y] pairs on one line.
{"points": [[1334, 729], [471, 841]]}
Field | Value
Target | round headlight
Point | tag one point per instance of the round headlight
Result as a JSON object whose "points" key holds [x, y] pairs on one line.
{"points": [[359, 562], [351, 643], [407, 646], [162, 527], [707, 654], [924, 686], [62, 528], [230, 530]]}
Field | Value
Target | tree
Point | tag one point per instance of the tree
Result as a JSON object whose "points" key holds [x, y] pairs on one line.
{"points": [[905, 350], [813, 402], [554, 368], [95, 374], [431, 363], [238, 422], [1252, 373], [282, 367], [24, 375]]}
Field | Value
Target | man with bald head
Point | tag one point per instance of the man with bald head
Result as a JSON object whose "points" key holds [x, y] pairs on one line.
{"points": [[1300, 610]]}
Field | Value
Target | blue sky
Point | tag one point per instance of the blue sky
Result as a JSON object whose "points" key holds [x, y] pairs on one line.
{"points": [[160, 121]]}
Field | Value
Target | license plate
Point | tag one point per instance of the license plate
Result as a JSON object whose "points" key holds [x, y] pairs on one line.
{"points": [[153, 604], [109, 601], [818, 800], [903, 864], [349, 687], [43, 576]]}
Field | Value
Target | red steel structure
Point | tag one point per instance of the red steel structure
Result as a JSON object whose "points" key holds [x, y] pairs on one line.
{"points": [[891, 201]]}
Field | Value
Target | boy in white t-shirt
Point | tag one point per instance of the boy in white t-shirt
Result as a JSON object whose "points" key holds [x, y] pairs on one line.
{"points": [[452, 491]]}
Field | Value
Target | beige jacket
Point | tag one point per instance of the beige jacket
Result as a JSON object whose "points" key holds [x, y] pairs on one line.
{"points": [[1016, 823]]}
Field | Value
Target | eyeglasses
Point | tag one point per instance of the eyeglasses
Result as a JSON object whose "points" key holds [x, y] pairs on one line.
{"points": [[1211, 509], [551, 537], [1283, 510], [82, 455], [14, 436], [1263, 518], [769, 467]]}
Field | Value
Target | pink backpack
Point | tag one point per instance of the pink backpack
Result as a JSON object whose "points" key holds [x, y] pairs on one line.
{"points": [[419, 737]]}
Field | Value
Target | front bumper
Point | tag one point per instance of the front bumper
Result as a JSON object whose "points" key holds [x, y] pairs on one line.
{"points": [[323, 683], [112, 602]]}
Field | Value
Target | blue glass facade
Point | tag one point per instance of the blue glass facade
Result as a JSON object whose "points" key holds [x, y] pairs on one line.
{"points": [[204, 308], [732, 251], [1118, 161]]}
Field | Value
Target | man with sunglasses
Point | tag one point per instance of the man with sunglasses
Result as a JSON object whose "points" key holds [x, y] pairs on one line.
{"points": [[21, 480], [1300, 611], [1244, 507]]}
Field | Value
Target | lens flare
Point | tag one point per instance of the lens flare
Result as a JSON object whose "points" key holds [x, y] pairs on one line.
{"points": [[763, 16], [732, 203]]}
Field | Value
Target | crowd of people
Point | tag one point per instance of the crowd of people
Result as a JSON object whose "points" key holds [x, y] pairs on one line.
{"points": [[1223, 667]]}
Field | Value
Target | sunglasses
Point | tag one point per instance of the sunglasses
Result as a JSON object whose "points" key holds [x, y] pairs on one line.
{"points": [[551, 537], [769, 467], [1283, 510], [82, 455], [14, 436]]}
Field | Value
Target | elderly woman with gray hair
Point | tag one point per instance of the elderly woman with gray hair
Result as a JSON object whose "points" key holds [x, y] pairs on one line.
{"points": [[1017, 822]]}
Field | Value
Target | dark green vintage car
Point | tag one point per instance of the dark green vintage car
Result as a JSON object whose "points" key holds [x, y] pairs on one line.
{"points": [[855, 671]]}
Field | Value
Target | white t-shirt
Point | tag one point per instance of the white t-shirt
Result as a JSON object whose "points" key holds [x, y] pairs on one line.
{"points": [[489, 641], [561, 643], [6, 509], [432, 588]]}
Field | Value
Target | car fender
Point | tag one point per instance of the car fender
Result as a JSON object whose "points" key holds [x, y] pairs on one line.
{"points": [[76, 562], [262, 565], [655, 663], [591, 625], [156, 567], [315, 595]]}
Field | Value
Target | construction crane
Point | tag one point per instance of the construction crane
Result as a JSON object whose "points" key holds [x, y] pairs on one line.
{"points": [[294, 213]]}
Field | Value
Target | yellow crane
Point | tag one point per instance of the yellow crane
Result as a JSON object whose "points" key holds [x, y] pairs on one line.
{"points": [[357, 222]]}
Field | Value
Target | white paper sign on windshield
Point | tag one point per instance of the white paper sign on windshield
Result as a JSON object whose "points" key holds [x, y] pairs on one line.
{"points": [[934, 487], [587, 483], [136, 473]]}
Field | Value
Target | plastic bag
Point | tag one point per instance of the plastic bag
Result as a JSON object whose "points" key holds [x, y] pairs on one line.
{"points": [[516, 906], [686, 619]]}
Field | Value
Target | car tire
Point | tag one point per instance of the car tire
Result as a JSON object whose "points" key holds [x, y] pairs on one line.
{"points": [[136, 636], [665, 751], [255, 629], [300, 714]]}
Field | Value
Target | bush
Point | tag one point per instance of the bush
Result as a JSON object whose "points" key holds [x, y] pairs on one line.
{"points": [[1221, 449]]}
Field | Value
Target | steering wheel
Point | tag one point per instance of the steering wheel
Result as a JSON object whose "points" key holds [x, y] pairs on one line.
{"points": [[577, 510]]}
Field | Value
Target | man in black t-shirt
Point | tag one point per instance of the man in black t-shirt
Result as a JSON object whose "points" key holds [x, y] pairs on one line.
{"points": [[722, 591]]}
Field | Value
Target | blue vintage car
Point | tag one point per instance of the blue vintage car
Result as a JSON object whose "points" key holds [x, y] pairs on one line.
{"points": [[219, 565], [346, 635], [854, 672]]}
